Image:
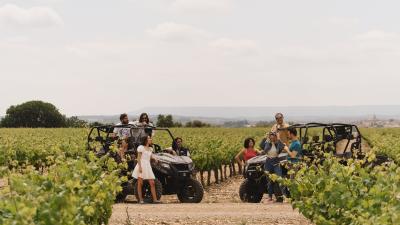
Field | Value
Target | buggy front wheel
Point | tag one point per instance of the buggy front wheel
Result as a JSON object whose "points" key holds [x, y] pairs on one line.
{"points": [[191, 192]]}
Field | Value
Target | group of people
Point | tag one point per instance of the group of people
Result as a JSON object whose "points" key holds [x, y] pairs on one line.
{"points": [[280, 139], [143, 170]]}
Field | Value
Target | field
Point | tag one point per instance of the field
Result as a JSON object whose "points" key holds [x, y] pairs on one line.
{"points": [[48, 177]]}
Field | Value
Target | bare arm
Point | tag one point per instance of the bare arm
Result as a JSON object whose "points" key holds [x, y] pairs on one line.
{"points": [[237, 157], [139, 161], [292, 154]]}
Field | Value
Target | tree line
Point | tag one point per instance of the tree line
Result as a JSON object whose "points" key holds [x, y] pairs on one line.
{"points": [[35, 114]]}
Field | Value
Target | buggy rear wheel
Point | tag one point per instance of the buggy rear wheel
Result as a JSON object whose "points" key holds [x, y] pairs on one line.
{"points": [[191, 192], [146, 191], [250, 191]]}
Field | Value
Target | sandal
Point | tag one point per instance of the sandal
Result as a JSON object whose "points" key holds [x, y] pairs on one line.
{"points": [[141, 202], [157, 202]]}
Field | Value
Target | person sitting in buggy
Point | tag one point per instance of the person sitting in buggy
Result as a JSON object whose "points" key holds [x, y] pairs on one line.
{"points": [[142, 122], [272, 147], [177, 148], [123, 134]]}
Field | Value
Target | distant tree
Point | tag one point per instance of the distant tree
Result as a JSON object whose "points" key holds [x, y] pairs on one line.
{"points": [[75, 122], [241, 123], [33, 114], [96, 124], [165, 121], [178, 124], [265, 123], [196, 123]]}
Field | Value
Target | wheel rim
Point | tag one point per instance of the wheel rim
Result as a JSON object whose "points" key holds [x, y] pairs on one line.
{"points": [[189, 192]]}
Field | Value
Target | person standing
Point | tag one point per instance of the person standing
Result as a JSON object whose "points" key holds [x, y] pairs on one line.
{"points": [[145, 127], [143, 170], [272, 147], [143, 120], [294, 150], [280, 129]]}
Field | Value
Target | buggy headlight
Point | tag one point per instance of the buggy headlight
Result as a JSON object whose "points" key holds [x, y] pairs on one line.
{"points": [[165, 165]]}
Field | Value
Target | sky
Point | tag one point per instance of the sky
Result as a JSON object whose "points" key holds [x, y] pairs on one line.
{"points": [[106, 57]]}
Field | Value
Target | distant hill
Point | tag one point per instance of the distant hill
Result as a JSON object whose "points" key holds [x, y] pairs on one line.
{"points": [[268, 112], [220, 115]]}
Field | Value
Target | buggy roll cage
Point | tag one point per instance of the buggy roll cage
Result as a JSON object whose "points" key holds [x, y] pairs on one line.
{"points": [[109, 129], [331, 132]]}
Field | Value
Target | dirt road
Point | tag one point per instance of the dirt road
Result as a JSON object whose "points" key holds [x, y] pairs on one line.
{"points": [[221, 205]]}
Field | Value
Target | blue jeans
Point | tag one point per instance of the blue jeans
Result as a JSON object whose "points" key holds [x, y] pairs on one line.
{"points": [[272, 166]]}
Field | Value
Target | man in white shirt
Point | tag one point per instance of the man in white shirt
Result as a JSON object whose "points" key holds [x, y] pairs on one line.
{"points": [[279, 129], [123, 133]]}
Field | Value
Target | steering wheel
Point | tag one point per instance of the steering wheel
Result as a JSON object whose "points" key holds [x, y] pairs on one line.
{"points": [[157, 148]]}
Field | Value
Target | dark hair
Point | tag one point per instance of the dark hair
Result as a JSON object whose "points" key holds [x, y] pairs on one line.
{"points": [[278, 115], [247, 142], [144, 140], [292, 131], [174, 145], [141, 118], [122, 116]]}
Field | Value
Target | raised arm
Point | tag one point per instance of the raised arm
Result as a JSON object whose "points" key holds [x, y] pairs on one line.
{"points": [[292, 154]]}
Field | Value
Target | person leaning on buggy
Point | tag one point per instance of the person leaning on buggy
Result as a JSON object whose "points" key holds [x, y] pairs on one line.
{"points": [[272, 147]]}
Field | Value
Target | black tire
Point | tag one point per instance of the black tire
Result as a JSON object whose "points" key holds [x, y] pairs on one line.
{"points": [[250, 191], [191, 192], [147, 192], [127, 189]]}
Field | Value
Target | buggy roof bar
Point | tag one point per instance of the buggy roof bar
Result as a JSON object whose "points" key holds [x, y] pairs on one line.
{"points": [[313, 125]]}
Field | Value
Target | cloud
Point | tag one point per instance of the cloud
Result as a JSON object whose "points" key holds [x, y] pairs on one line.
{"points": [[377, 35], [378, 41], [201, 6], [12, 15], [344, 21], [235, 46], [174, 32]]}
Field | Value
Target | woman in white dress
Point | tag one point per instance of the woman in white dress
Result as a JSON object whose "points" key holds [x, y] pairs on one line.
{"points": [[143, 170]]}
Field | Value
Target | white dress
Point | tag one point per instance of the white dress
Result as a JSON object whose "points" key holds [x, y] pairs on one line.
{"points": [[147, 171]]}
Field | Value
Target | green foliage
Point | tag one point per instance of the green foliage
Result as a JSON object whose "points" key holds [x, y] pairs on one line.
{"points": [[355, 194], [75, 122], [165, 121], [33, 114], [39, 147], [72, 191], [384, 140]]}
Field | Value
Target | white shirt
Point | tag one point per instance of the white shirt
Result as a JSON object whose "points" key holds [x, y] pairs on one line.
{"points": [[122, 132], [273, 152]]}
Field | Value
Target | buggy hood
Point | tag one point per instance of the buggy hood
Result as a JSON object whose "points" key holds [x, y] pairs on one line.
{"points": [[173, 159], [257, 160]]}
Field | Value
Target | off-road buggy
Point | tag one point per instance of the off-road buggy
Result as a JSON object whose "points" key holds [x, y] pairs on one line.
{"points": [[343, 140], [174, 174]]}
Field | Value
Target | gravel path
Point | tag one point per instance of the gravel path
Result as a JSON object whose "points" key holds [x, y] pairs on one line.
{"points": [[221, 205]]}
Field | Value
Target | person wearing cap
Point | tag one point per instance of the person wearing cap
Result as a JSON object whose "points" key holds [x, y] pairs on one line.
{"points": [[272, 147], [280, 127]]}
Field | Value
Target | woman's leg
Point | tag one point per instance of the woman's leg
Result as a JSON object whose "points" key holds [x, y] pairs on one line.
{"points": [[153, 190], [140, 186], [270, 190]]}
